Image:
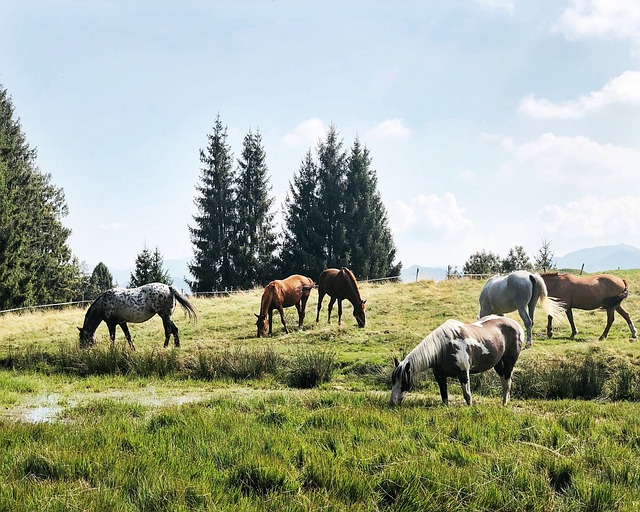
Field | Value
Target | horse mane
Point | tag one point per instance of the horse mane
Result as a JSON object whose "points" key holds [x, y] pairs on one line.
{"points": [[427, 352], [353, 283]]}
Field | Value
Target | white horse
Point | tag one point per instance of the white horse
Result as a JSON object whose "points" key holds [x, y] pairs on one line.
{"points": [[519, 291]]}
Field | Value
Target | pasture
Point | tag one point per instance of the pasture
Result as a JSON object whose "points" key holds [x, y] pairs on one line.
{"points": [[301, 421]]}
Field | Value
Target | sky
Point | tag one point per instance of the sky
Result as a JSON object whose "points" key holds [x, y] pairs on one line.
{"points": [[490, 123]]}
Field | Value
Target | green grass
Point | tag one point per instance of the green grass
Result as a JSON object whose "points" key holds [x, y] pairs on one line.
{"points": [[301, 421]]}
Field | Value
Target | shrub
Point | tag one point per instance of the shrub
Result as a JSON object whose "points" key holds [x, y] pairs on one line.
{"points": [[309, 369]]}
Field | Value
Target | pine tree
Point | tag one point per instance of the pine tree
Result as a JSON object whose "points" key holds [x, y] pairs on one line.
{"points": [[255, 237], [517, 259], [36, 263], [100, 281], [303, 245], [149, 269], [544, 259], [213, 235], [331, 190], [368, 237]]}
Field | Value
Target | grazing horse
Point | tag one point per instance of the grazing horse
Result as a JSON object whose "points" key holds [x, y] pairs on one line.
{"points": [[519, 291], [121, 305], [456, 350], [280, 294], [589, 292], [341, 284]]}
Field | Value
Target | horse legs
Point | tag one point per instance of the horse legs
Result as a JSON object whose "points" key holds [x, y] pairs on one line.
{"points": [[625, 315], [574, 331], [610, 313], [321, 294], [549, 326], [127, 334], [442, 384], [284, 323], [302, 306], [330, 307], [465, 382], [339, 311], [169, 329], [528, 323], [505, 379]]}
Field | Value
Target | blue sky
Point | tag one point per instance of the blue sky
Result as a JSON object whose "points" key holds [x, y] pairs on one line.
{"points": [[491, 123]]}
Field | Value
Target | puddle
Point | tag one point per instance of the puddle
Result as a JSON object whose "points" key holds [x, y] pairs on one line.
{"points": [[48, 408]]}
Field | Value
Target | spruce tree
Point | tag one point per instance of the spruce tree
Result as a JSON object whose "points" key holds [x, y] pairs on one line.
{"points": [[36, 263], [213, 235], [368, 236], [303, 244], [149, 269], [101, 280], [254, 231]]}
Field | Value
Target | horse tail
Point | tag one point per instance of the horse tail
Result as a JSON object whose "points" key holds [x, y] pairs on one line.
{"points": [[553, 307], [615, 301], [188, 307]]}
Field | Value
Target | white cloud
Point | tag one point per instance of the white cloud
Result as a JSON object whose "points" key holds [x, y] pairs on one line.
{"points": [[613, 19], [622, 89], [114, 226], [594, 218], [431, 213], [306, 134], [390, 129], [580, 162]]}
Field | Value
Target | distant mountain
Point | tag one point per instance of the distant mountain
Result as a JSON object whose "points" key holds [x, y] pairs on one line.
{"points": [[408, 275], [602, 258]]}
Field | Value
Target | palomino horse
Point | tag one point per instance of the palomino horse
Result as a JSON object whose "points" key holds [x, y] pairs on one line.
{"points": [[280, 294], [589, 292], [456, 350], [341, 284], [520, 291], [121, 305]]}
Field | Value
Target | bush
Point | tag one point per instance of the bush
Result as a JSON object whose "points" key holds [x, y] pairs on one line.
{"points": [[310, 369]]}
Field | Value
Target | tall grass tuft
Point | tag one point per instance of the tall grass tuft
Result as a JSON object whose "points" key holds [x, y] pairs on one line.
{"points": [[309, 369]]}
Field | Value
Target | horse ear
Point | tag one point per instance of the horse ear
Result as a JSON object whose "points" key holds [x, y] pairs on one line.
{"points": [[80, 329], [396, 362], [257, 316], [364, 301]]}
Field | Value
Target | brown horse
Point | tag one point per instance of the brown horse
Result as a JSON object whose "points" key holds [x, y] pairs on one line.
{"points": [[341, 284], [589, 292], [280, 294]]}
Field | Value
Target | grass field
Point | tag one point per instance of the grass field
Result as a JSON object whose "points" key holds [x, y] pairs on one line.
{"points": [[300, 421]]}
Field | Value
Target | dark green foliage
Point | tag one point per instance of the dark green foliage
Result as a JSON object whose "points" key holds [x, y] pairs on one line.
{"points": [[213, 234], [149, 269], [483, 262], [254, 250], [100, 281], [544, 258], [517, 259], [36, 264], [334, 215]]}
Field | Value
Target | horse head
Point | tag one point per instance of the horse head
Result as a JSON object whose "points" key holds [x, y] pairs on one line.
{"points": [[87, 338], [261, 324], [358, 313], [400, 381]]}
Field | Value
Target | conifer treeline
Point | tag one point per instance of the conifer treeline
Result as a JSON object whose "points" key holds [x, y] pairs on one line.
{"points": [[333, 216]]}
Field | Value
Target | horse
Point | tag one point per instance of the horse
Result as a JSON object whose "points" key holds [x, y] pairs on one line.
{"points": [[341, 284], [589, 292], [118, 306], [519, 291], [280, 294], [457, 350]]}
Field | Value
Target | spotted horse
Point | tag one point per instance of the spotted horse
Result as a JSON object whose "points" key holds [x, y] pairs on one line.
{"points": [[118, 306]]}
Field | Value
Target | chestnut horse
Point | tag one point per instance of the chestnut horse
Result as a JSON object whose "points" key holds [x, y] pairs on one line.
{"points": [[280, 294], [589, 292], [341, 284]]}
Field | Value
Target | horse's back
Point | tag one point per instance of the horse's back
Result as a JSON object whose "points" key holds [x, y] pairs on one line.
{"points": [[504, 294], [286, 292], [585, 292], [138, 305], [339, 283]]}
